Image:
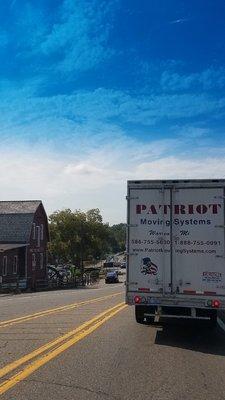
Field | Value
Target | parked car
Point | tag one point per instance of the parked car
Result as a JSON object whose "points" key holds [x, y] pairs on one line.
{"points": [[112, 277]]}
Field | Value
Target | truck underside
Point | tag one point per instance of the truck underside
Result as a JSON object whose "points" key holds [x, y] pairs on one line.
{"points": [[149, 314]]}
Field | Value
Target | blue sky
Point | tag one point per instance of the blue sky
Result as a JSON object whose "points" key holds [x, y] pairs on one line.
{"points": [[93, 93]]}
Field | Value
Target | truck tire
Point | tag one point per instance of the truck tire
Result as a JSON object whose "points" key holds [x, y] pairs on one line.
{"points": [[139, 316], [213, 318]]}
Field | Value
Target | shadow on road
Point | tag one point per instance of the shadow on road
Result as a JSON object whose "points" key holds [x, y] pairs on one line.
{"points": [[191, 335]]}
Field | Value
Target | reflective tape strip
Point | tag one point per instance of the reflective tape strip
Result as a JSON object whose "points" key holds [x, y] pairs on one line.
{"points": [[210, 293], [207, 293], [189, 291], [144, 289]]}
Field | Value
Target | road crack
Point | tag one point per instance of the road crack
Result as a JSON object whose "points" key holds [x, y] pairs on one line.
{"points": [[204, 380], [3, 346], [79, 387]]}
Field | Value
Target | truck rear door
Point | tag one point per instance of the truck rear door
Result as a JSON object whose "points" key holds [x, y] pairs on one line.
{"points": [[176, 240], [149, 244], [198, 263]]}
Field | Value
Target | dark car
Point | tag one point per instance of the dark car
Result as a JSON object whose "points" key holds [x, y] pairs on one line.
{"points": [[112, 277]]}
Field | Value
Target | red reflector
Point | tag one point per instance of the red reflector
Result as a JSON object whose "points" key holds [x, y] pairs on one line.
{"points": [[142, 289], [137, 299], [216, 303]]}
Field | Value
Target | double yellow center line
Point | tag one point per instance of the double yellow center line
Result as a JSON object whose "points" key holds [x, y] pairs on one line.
{"points": [[49, 351], [50, 311]]}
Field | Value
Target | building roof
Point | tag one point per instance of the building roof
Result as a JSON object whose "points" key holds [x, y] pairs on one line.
{"points": [[19, 207], [16, 219], [10, 246]]}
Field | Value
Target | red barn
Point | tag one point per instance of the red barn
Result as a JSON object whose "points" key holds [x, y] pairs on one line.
{"points": [[24, 236]]}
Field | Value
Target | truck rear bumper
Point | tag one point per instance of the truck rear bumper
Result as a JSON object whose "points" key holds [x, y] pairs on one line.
{"points": [[175, 301], [176, 316], [178, 312]]}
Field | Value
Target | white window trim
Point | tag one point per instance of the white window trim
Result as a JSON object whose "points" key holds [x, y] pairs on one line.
{"points": [[15, 264], [41, 260], [38, 236], [42, 231], [33, 261], [5, 266], [34, 231]]}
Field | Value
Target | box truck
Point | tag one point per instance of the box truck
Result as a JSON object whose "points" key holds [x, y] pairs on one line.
{"points": [[175, 249]]}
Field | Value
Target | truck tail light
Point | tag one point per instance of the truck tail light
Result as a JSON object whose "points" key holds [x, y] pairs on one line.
{"points": [[137, 299], [216, 303]]}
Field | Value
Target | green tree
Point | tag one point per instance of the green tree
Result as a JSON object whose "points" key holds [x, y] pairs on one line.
{"points": [[78, 236], [118, 237]]}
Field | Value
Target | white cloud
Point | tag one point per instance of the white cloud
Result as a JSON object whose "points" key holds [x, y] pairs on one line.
{"points": [[177, 168], [98, 178], [77, 150]]}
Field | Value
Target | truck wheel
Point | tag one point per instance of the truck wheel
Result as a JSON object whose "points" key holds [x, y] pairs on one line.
{"points": [[213, 319]]}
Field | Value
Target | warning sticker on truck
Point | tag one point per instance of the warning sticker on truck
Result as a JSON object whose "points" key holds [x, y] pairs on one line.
{"points": [[211, 276]]}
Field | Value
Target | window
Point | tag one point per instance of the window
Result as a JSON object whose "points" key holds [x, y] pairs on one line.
{"points": [[33, 261], [15, 264], [4, 272], [38, 236], [42, 232], [41, 260], [34, 231]]}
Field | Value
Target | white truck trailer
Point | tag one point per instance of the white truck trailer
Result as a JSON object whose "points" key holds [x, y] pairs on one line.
{"points": [[175, 248]]}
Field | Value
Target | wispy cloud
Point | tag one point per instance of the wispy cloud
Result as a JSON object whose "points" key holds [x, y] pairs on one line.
{"points": [[70, 40], [3, 39], [189, 131], [209, 79], [78, 37], [179, 21], [13, 2], [30, 29], [98, 111]]}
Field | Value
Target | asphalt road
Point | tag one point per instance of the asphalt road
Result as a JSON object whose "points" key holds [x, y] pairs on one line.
{"points": [[85, 344]]}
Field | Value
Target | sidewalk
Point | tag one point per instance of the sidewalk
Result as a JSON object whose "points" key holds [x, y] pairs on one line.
{"points": [[6, 295]]}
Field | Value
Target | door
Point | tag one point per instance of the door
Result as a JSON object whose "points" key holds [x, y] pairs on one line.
{"points": [[198, 241], [149, 244]]}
